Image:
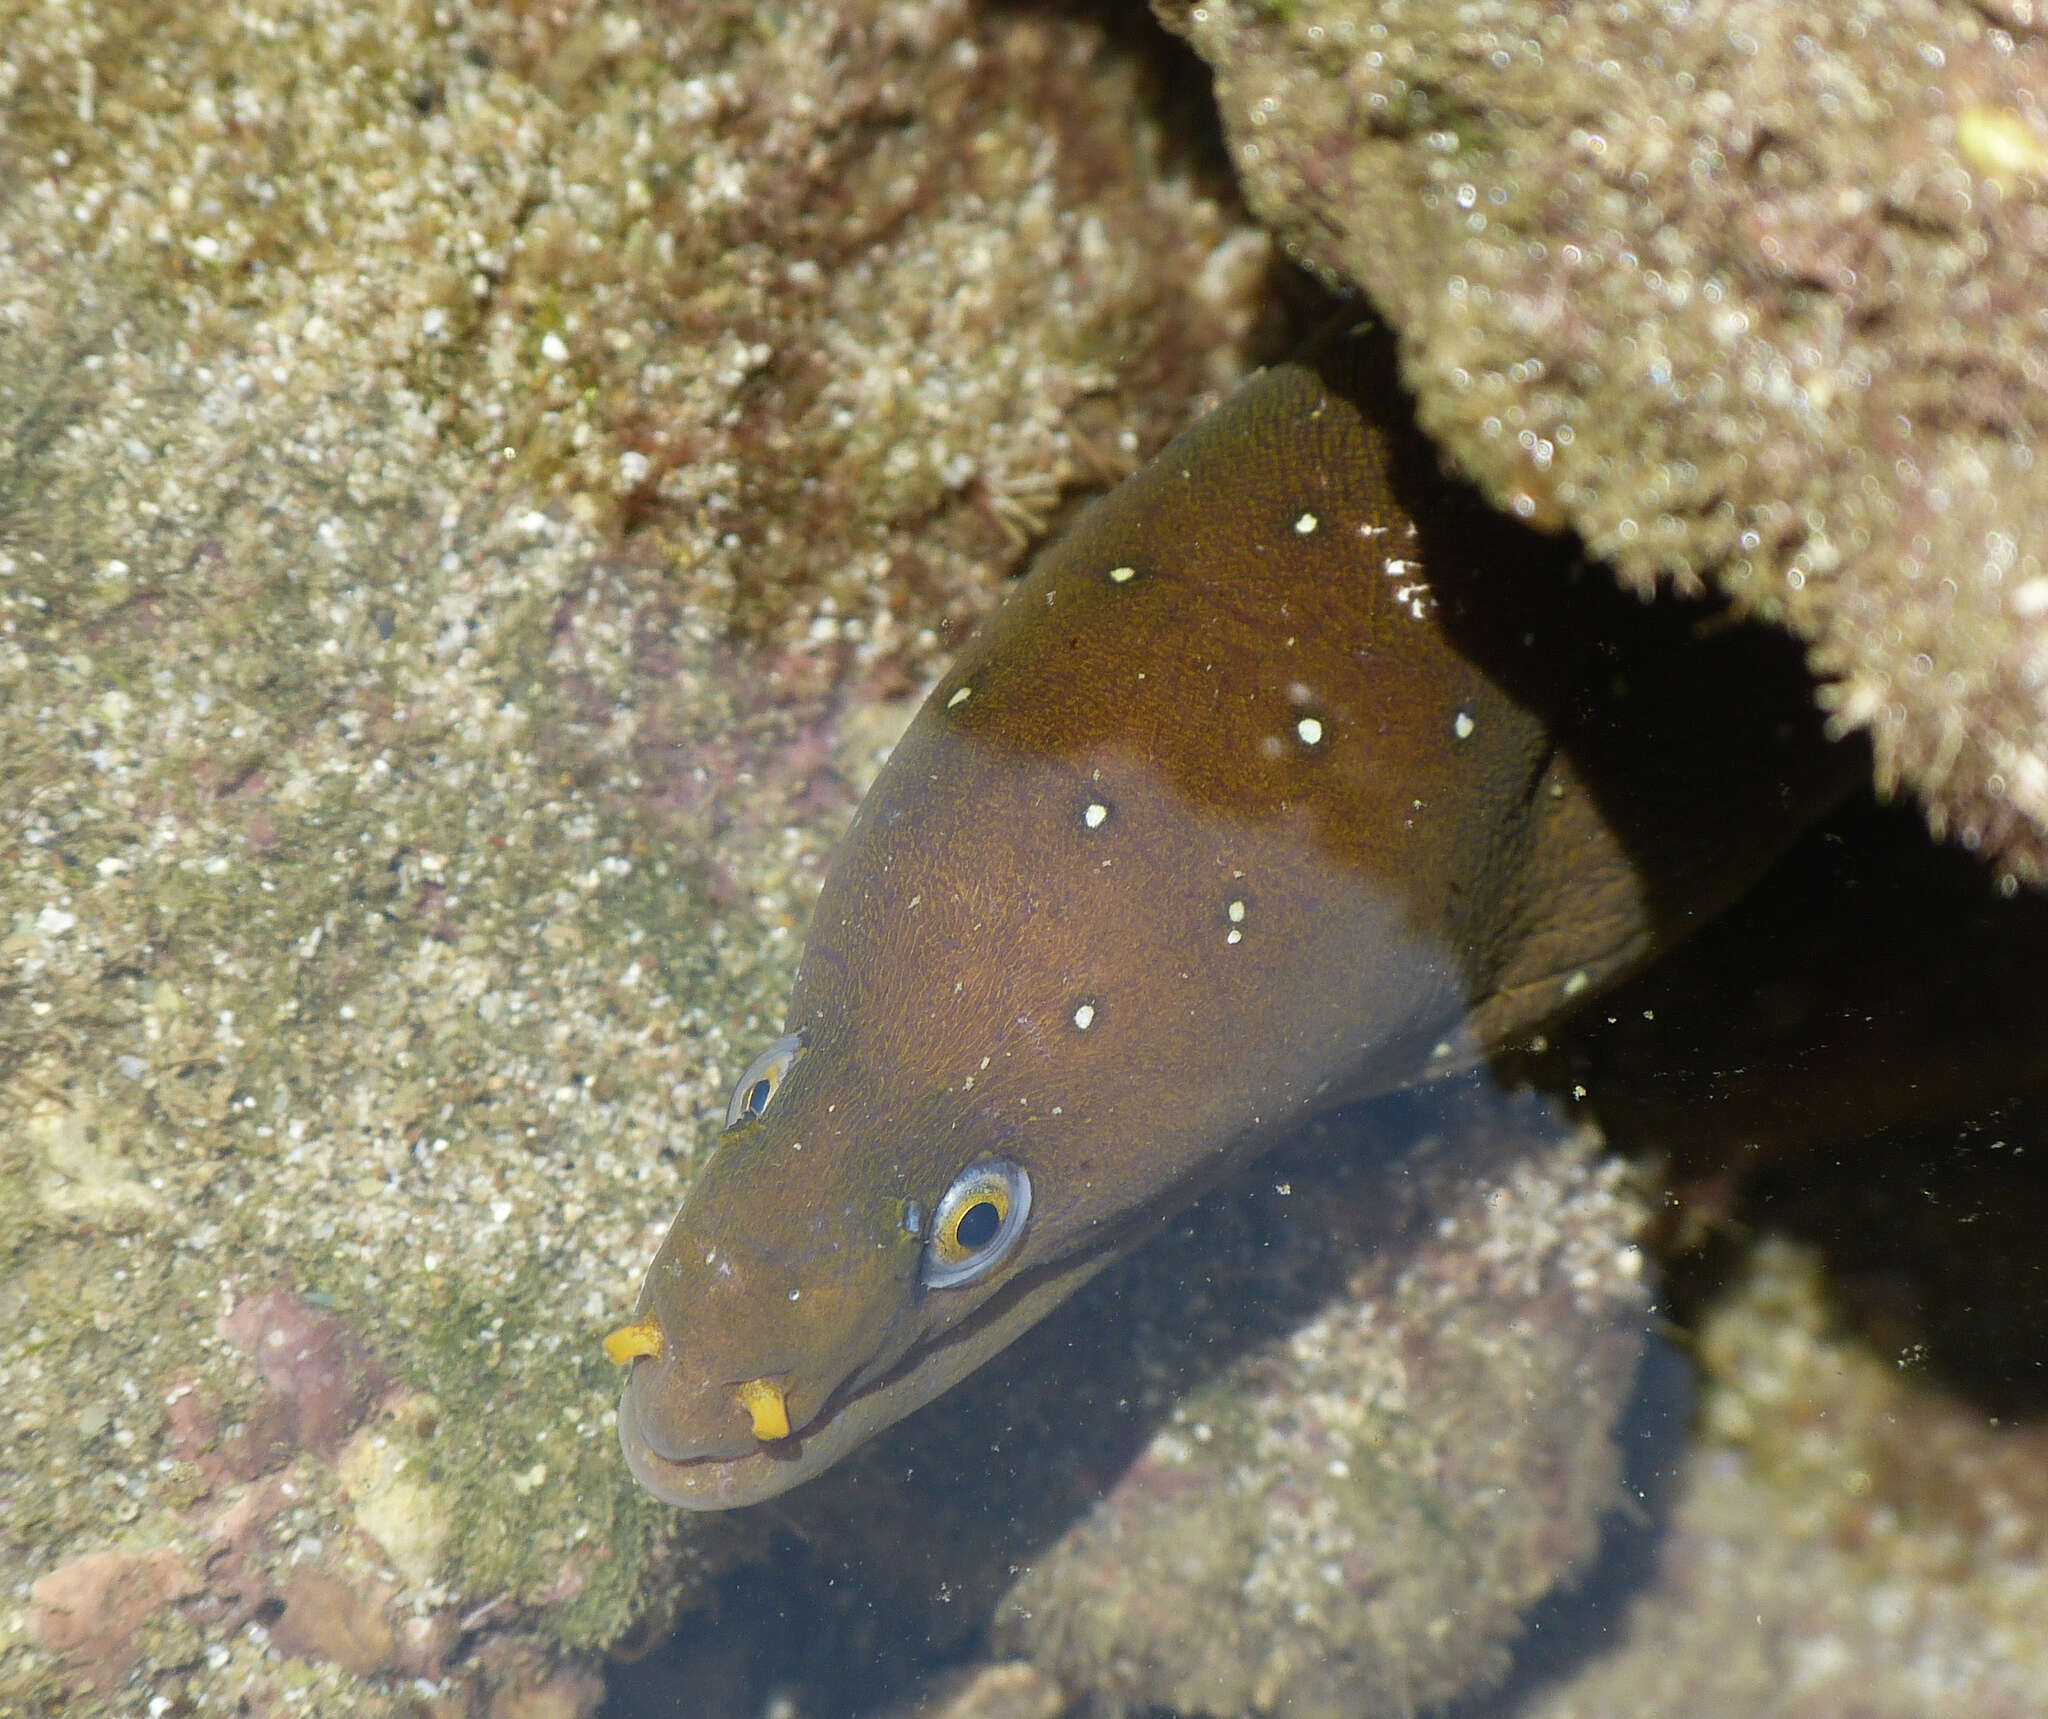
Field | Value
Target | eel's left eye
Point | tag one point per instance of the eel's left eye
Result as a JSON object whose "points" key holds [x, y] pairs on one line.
{"points": [[978, 1222], [764, 1074]]}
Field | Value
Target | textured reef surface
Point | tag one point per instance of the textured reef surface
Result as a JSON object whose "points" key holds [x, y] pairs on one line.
{"points": [[1746, 294], [478, 490]]}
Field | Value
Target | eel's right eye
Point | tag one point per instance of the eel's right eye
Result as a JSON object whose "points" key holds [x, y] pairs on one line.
{"points": [[764, 1074]]}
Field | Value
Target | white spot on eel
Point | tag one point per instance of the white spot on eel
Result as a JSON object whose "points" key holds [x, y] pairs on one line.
{"points": [[1084, 1016], [1236, 911], [1122, 575], [1310, 730], [1305, 524], [1096, 815], [1462, 725], [1577, 982], [960, 697]]}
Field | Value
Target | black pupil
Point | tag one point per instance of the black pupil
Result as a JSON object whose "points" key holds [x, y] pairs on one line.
{"points": [[757, 1097], [978, 1225]]}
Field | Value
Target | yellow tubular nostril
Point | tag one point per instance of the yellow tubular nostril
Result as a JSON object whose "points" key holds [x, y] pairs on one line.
{"points": [[630, 1342], [767, 1405]]}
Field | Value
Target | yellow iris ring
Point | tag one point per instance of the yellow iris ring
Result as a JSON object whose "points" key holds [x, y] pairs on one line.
{"points": [[989, 1190]]}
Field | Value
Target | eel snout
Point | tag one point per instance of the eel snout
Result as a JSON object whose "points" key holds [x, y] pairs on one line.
{"points": [[694, 1439], [681, 1412]]}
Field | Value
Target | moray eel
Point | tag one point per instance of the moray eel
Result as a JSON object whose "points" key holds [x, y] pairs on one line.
{"points": [[1263, 791]]}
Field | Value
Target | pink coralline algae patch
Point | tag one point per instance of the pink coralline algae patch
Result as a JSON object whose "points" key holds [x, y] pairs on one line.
{"points": [[325, 1618], [322, 1375], [263, 1438], [240, 1544], [91, 1610]]}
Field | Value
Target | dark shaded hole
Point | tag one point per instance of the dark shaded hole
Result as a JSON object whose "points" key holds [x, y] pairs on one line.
{"points": [[1851, 1057]]}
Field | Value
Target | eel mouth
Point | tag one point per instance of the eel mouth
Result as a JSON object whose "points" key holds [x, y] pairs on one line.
{"points": [[728, 1482], [857, 1411]]}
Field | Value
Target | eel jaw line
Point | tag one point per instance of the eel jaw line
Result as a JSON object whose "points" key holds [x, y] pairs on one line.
{"points": [[785, 1457]]}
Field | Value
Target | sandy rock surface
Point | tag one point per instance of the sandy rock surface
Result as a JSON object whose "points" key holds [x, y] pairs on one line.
{"points": [[1748, 294], [477, 486]]}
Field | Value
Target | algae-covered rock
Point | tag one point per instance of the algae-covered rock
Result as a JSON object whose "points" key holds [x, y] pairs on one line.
{"points": [[1354, 1516], [1843, 1540], [469, 478], [1748, 294]]}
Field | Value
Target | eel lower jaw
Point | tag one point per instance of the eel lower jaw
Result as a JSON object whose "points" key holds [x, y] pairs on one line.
{"points": [[705, 1482], [853, 1415]]}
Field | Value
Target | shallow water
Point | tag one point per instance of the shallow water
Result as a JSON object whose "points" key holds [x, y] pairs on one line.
{"points": [[455, 580]]}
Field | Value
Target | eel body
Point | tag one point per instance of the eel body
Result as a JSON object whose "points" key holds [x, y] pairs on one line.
{"points": [[1288, 776]]}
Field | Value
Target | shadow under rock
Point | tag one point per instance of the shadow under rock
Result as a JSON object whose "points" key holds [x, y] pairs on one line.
{"points": [[1579, 1621]]}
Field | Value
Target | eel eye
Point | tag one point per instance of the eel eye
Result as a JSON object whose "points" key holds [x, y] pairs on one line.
{"points": [[977, 1224], [764, 1074]]}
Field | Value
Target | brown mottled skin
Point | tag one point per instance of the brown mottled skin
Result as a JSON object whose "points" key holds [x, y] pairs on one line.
{"points": [[1518, 791]]}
